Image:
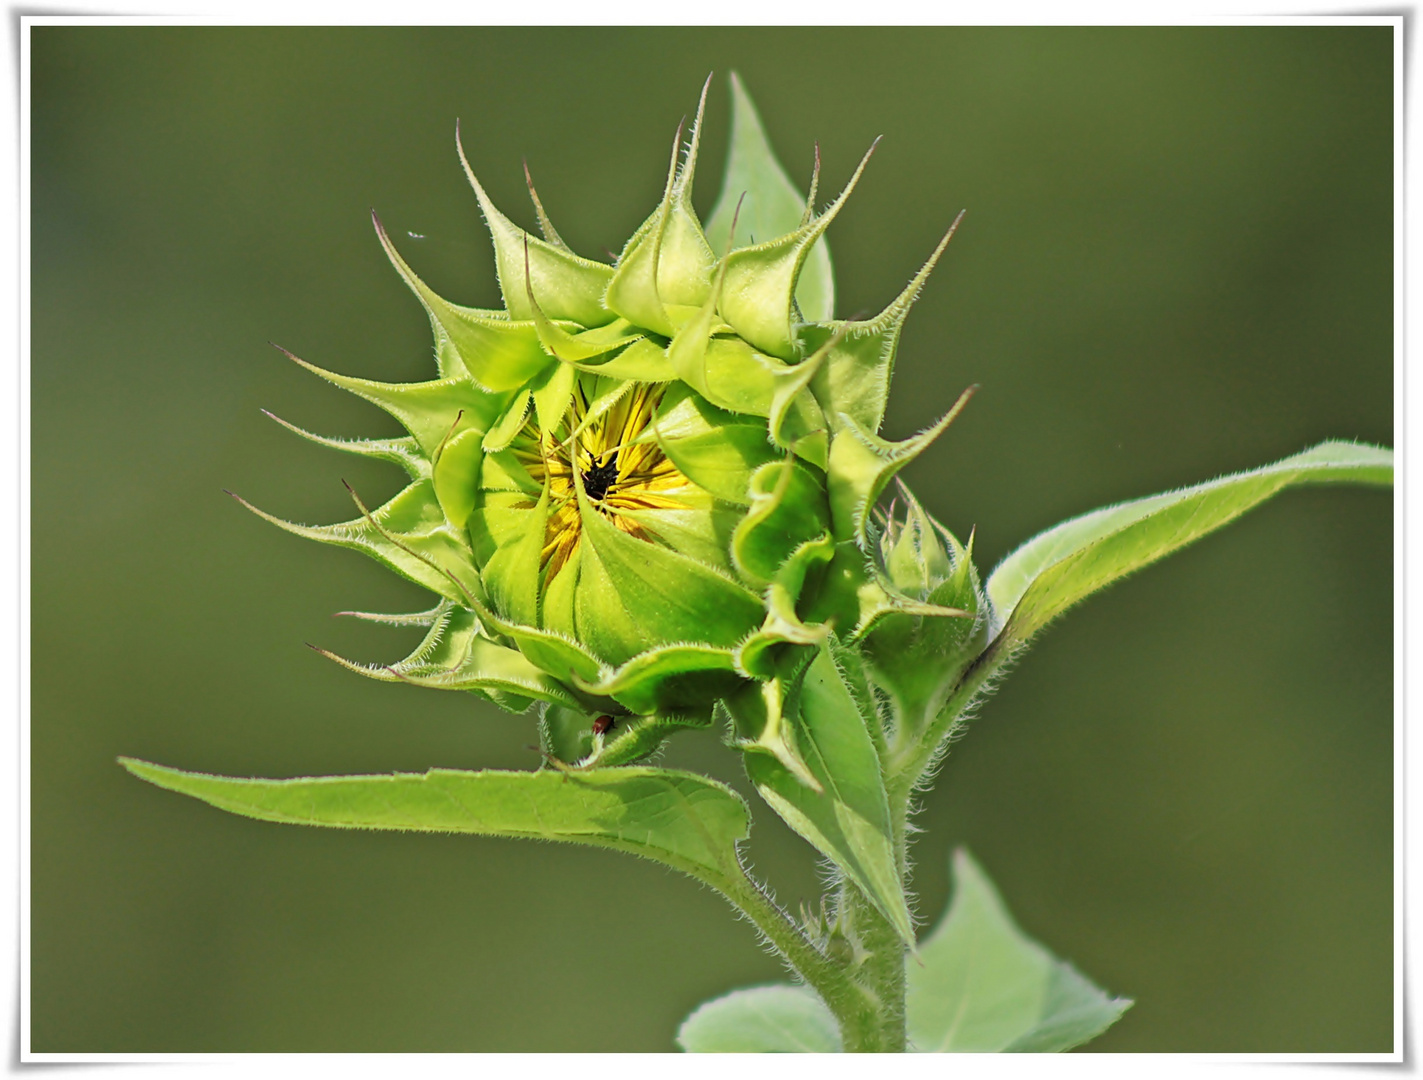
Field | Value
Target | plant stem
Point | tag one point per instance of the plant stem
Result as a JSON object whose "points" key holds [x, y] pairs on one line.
{"points": [[855, 1006], [907, 764], [878, 970]]}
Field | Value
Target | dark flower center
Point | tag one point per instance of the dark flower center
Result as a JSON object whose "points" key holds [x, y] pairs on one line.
{"points": [[600, 477]]}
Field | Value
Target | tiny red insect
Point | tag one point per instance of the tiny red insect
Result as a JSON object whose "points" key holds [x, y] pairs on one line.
{"points": [[603, 725]]}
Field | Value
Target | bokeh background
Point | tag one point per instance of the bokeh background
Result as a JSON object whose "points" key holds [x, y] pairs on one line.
{"points": [[1177, 262]]}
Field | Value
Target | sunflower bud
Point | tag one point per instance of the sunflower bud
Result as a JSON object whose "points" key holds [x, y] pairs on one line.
{"points": [[919, 659], [642, 488]]}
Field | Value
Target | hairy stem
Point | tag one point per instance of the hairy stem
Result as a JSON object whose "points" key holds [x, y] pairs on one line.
{"points": [[877, 968], [853, 1005], [907, 764]]}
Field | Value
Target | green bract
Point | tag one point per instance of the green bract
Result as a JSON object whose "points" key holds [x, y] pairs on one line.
{"points": [[650, 494]]}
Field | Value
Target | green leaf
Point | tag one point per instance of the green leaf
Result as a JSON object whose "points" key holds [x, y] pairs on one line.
{"points": [[781, 1018], [686, 821], [1057, 568], [847, 820], [980, 985], [772, 207], [788, 509]]}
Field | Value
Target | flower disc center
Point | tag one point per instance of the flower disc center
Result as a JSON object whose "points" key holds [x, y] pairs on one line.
{"points": [[603, 475]]}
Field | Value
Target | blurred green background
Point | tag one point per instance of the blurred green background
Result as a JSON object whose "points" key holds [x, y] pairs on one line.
{"points": [[1177, 262]]}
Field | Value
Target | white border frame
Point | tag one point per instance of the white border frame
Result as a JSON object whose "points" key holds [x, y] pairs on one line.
{"points": [[15, 541]]}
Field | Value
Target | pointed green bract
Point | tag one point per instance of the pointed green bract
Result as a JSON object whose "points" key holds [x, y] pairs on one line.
{"points": [[862, 464], [765, 205], [455, 655], [758, 293], [854, 381]]}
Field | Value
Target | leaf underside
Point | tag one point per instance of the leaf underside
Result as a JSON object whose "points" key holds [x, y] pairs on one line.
{"points": [[686, 821]]}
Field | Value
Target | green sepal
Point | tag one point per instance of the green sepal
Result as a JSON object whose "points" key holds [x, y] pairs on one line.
{"points": [[430, 411], [665, 596], [668, 677], [402, 535], [575, 348], [701, 531], [498, 353], [795, 420], [545, 225], [634, 738], [511, 576], [716, 450], [846, 815], [554, 652], [757, 656], [565, 734], [732, 375], [642, 361], [509, 425], [414, 618], [788, 508], [403, 451], [568, 286], [455, 655], [759, 722], [757, 297], [861, 464], [855, 379], [553, 391], [667, 264], [456, 475], [772, 205]]}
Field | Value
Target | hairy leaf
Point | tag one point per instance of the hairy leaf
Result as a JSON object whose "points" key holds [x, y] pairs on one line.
{"points": [[847, 819], [981, 986], [687, 821], [781, 1018], [1057, 568]]}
